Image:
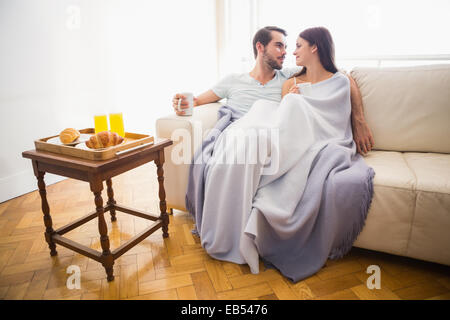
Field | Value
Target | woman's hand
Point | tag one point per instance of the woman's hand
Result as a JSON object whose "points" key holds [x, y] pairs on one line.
{"points": [[294, 89]]}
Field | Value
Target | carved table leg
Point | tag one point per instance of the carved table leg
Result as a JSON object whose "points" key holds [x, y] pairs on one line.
{"points": [[46, 210], [111, 201], [107, 258], [162, 194]]}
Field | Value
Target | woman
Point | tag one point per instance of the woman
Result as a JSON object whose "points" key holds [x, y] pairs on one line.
{"points": [[315, 52], [312, 201]]}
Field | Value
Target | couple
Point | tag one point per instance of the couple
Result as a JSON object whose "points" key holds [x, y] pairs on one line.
{"points": [[314, 205]]}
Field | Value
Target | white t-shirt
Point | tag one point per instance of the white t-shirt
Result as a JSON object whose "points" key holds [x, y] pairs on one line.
{"points": [[241, 90]]}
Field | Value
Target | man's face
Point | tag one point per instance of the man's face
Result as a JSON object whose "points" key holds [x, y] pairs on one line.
{"points": [[275, 51]]}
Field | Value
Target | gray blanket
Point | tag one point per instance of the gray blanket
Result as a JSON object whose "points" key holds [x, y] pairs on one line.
{"points": [[303, 201]]}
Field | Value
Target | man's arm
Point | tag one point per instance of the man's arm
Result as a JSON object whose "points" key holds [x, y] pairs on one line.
{"points": [[206, 97], [361, 131]]}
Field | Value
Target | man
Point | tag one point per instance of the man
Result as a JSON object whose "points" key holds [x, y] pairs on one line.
{"points": [[265, 82]]}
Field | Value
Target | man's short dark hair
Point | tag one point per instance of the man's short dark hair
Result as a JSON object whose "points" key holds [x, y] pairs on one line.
{"points": [[264, 36]]}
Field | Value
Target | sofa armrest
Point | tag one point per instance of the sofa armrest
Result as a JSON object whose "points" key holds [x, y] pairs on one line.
{"points": [[187, 133], [205, 116]]}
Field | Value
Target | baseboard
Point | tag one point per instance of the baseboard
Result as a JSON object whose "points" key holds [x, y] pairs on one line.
{"points": [[169, 206], [23, 182]]}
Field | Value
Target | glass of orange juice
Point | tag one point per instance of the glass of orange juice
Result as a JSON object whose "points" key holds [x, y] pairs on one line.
{"points": [[101, 123], [116, 123]]}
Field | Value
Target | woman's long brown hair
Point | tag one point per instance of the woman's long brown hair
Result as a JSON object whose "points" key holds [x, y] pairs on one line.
{"points": [[321, 37]]}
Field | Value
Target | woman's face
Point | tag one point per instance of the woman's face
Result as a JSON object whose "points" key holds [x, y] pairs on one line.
{"points": [[303, 52]]}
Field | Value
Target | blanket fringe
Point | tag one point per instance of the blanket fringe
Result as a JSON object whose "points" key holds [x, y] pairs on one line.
{"points": [[190, 208], [346, 245]]}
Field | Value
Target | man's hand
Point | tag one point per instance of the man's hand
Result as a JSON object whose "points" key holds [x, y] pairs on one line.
{"points": [[362, 136], [183, 105], [361, 131]]}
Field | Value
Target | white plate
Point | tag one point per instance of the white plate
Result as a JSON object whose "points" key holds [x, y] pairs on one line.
{"points": [[83, 138]]}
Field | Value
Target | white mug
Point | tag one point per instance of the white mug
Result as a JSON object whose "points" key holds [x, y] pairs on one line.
{"points": [[190, 98], [304, 88]]}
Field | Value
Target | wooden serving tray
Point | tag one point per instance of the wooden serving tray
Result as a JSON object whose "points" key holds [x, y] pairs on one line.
{"points": [[131, 140]]}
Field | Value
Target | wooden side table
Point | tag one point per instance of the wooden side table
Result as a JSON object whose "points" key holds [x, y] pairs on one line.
{"points": [[95, 172]]}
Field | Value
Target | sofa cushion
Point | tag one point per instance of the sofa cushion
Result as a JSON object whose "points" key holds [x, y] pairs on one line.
{"points": [[392, 207], [410, 207], [407, 108], [432, 171], [430, 239], [391, 169]]}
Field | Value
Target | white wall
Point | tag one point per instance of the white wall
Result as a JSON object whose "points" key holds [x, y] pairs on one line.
{"points": [[50, 77], [62, 60], [155, 49]]}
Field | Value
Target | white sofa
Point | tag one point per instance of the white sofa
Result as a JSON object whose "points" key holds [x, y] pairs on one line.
{"points": [[408, 111]]}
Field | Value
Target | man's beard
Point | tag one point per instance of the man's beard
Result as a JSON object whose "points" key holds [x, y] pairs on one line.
{"points": [[271, 62]]}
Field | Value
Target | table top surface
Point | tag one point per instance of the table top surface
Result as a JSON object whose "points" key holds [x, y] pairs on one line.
{"points": [[79, 163]]}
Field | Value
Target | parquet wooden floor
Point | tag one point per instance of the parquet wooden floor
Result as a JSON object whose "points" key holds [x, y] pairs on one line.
{"points": [[176, 267]]}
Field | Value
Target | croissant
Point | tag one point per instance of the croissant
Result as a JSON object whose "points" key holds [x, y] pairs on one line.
{"points": [[103, 139], [69, 135]]}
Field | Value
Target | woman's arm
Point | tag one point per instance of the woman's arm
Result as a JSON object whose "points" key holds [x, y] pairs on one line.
{"points": [[361, 131]]}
